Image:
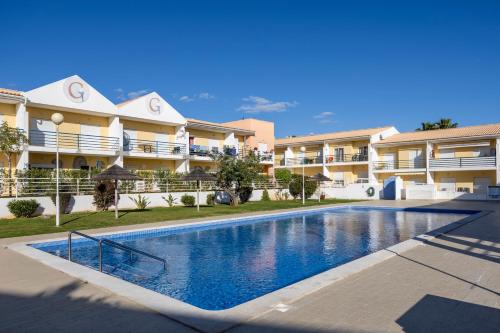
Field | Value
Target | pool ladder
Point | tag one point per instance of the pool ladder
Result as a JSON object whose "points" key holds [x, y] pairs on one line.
{"points": [[105, 241]]}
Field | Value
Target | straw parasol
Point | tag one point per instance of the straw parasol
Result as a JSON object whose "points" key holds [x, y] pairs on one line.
{"points": [[319, 177], [116, 173], [199, 175]]}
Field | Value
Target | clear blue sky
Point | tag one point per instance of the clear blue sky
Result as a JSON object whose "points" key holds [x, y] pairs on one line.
{"points": [[310, 66]]}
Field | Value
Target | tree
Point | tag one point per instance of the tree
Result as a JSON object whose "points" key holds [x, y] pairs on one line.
{"points": [[235, 175], [283, 177], [12, 141], [295, 187], [426, 126], [446, 123], [441, 124]]}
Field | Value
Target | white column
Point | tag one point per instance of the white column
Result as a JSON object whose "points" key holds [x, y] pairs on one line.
{"points": [[22, 122], [115, 129], [372, 156], [428, 173], [288, 154], [326, 152], [182, 137], [229, 139], [498, 160]]}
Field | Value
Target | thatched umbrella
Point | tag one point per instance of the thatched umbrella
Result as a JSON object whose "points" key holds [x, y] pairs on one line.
{"points": [[116, 173], [319, 177], [199, 175]]}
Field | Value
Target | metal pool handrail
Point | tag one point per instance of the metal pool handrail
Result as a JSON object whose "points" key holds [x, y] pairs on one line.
{"points": [[111, 243]]}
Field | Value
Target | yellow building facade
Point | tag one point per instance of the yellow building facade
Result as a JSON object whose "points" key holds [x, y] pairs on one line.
{"points": [[145, 133]]}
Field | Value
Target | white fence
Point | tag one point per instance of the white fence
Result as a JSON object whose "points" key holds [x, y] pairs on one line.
{"points": [[26, 187], [83, 203]]}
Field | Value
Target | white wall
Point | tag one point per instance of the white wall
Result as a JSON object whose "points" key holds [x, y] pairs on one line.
{"points": [[424, 191], [353, 191], [83, 203]]}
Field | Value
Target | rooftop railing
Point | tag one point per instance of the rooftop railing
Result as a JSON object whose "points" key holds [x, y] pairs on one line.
{"points": [[154, 147], [399, 164], [73, 141], [462, 162]]}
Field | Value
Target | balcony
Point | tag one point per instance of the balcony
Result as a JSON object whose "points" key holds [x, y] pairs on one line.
{"points": [[266, 157], [154, 147], [302, 161], [399, 164], [73, 141], [232, 151], [204, 151], [346, 158], [480, 162]]}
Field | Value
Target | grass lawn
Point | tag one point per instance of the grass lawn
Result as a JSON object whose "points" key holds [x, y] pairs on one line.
{"points": [[90, 220]]}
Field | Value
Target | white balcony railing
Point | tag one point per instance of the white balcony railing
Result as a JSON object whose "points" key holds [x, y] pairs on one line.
{"points": [[73, 141], [462, 162]]}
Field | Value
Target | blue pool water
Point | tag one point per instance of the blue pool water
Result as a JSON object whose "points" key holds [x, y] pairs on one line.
{"points": [[218, 266]]}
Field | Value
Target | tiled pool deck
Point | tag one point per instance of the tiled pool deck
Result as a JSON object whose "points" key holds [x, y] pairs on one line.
{"points": [[450, 284]]}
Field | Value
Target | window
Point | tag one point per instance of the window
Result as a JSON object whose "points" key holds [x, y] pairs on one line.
{"points": [[446, 153], [363, 150], [263, 147], [481, 152], [338, 153]]}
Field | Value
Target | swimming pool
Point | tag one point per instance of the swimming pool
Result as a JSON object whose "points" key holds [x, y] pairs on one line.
{"points": [[219, 265]]}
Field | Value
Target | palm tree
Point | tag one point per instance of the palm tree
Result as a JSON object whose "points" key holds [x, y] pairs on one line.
{"points": [[427, 126], [446, 123], [441, 124]]}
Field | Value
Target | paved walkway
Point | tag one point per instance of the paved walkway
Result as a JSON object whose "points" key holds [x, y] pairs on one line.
{"points": [[452, 284]]}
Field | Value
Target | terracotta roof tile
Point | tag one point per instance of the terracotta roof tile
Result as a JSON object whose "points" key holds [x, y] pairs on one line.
{"points": [[11, 92], [450, 133], [331, 136]]}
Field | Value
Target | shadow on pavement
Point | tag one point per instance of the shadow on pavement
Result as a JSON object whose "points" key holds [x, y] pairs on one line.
{"points": [[439, 314]]}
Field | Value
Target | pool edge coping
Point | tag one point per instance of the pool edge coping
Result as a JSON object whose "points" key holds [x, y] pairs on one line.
{"points": [[221, 320]]}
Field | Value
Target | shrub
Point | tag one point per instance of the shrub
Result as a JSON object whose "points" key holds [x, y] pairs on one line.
{"points": [[295, 187], [283, 177], [64, 198], [104, 195], [188, 200], [265, 195], [210, 199], [170, 200], [23, 208], [245, 193], [141, 203]]}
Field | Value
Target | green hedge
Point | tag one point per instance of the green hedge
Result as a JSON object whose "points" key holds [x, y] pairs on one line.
{"points": [[23, 208]]}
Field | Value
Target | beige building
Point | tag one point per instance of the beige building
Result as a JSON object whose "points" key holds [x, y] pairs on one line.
{"points": [[144, 133]]}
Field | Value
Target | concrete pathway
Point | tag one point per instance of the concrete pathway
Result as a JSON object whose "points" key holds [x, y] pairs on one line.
{"points": [[452, 284]]}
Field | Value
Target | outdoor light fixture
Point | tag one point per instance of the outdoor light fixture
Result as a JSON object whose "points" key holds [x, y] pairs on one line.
{"points": [[57, 119]]}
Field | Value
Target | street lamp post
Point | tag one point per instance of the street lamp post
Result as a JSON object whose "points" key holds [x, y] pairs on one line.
{"points": [[303, 150], [57, 119]]}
